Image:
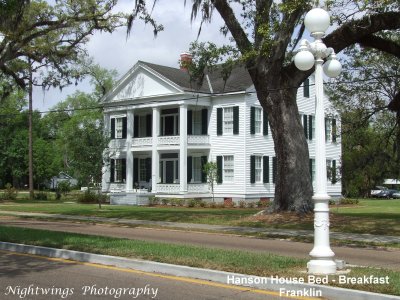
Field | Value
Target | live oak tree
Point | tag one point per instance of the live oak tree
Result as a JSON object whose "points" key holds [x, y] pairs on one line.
{"points": [[48, 40], [264, 34], [368, 98]]}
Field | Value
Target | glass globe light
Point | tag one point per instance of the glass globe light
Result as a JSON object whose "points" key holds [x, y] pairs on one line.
{"points": [[317, 20], [332, 68], [304, 60]]}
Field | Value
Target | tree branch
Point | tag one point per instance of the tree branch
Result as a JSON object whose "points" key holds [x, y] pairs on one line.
{"points": [[376, 42], [233, 25]]}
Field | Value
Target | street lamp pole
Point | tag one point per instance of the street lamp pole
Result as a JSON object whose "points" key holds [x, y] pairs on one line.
{"points": [[317, 22]]}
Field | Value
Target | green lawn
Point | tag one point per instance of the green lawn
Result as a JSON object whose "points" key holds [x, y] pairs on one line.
{"points": [[260, 264], [369, 216], [222, 216]]}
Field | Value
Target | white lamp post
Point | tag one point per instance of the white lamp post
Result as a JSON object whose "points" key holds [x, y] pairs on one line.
{"points": [[317, 22]]}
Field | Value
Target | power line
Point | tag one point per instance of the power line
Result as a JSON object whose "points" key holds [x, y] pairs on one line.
{"points": [[206, 95]]}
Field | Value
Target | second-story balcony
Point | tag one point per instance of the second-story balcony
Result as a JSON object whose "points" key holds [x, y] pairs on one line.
{"points": [[142, 142]]}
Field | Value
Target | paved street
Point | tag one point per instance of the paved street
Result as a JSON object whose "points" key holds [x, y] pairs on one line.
{"points": [[21, 273], [365, 257]]}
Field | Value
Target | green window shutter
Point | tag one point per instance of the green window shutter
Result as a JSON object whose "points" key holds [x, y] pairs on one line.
{"points": [[305, 127], [124, 127], [219, 169], [189, 122], [265, 123], [310, 123], [334, 180], [112, 170], [149, 125], [203, 174], [219, 120], [252, 120], [310, 168], [326, 129], [252, 169], [113, 129], [148, 169], [266, 169], [189, 168], [204, 121], [274, 170], [236, 120], [306, 88], [135, 171], [123, 169], [136, 126], [334, 130]]}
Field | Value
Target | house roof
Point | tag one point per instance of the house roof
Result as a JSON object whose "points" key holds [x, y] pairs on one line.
{"points": [[238, 80]]}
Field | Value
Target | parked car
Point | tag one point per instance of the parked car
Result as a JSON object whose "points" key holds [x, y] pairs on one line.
{"points": [[396, 195], [387, 194], [378, 190]]}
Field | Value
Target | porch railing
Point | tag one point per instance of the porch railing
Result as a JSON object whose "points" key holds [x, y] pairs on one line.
{"points": [[140, 142], [198, 139]]}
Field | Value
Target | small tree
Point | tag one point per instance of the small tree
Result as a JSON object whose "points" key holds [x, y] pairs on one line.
{"points": [[211, 171]]}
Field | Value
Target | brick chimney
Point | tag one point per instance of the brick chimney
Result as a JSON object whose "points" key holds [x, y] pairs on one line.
{"points": [[185, 61]]}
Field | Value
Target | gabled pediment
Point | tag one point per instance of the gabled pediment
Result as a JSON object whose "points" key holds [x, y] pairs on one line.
{"points": [[142, 82]]}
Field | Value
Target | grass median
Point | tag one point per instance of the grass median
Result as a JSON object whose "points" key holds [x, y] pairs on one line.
{"points": [[260, 264], [380, 217]]}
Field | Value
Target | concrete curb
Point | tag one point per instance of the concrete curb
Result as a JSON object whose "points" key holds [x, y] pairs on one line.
{"points": [[184, 271]]}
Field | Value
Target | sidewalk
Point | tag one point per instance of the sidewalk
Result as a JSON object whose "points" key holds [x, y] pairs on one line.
{"points": [[218, 228]]}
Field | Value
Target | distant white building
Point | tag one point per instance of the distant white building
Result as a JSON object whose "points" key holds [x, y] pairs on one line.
{"points": [[163, 130], [62, 177]]}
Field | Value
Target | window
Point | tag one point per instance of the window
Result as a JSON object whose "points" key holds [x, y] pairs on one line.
{"points": [[257, 120], [328, 130], [228, 120], [142, 170], [228, 169], [197, 170], [119, 175], [118, 127], [142, 126], [197, 122], [258, 169], [331, 170]]}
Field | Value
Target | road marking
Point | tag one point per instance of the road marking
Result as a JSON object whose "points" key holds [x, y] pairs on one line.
{"points": [[170, 277]]}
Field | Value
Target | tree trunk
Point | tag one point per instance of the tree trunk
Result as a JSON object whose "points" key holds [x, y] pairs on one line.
{"points": [[30, 143], [293, 188]]}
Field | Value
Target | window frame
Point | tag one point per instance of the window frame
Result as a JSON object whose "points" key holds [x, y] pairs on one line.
{"points": [[227, 124], [230, 168]]}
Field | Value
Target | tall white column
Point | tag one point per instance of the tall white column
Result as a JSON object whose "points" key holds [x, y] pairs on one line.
{"points": [[155, 158], [183, 148], [321, 255], [129, 154]]}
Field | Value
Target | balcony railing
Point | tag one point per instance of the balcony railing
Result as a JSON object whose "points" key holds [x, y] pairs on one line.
{"points": [[198, 188], [117, 143], [169, 140], [142, 142], [198, 139], [168, 188]]}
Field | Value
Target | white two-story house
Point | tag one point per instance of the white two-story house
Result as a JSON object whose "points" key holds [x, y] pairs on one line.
{"points": [[163, 130]]}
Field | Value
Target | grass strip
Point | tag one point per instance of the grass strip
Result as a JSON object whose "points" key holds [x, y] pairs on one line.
{"points": [[260, 264]]}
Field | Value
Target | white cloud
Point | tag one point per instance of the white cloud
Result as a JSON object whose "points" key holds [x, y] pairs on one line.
{"points": [[116, 51]]}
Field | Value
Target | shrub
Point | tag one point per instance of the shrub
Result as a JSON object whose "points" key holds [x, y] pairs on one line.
{"points": [[63, 187], [191, 203], [202, 203], [40, 196], [165, 201], [251, 205], [153, 201], [349, 201], [242, 204], [213, 205], [91, 197], [10, 193]]}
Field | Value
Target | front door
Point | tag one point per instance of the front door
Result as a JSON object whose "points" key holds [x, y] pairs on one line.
{"points": [[169, 171]]}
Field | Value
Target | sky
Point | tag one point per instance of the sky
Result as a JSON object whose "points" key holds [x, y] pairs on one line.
{"points": [[119, 52]]}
